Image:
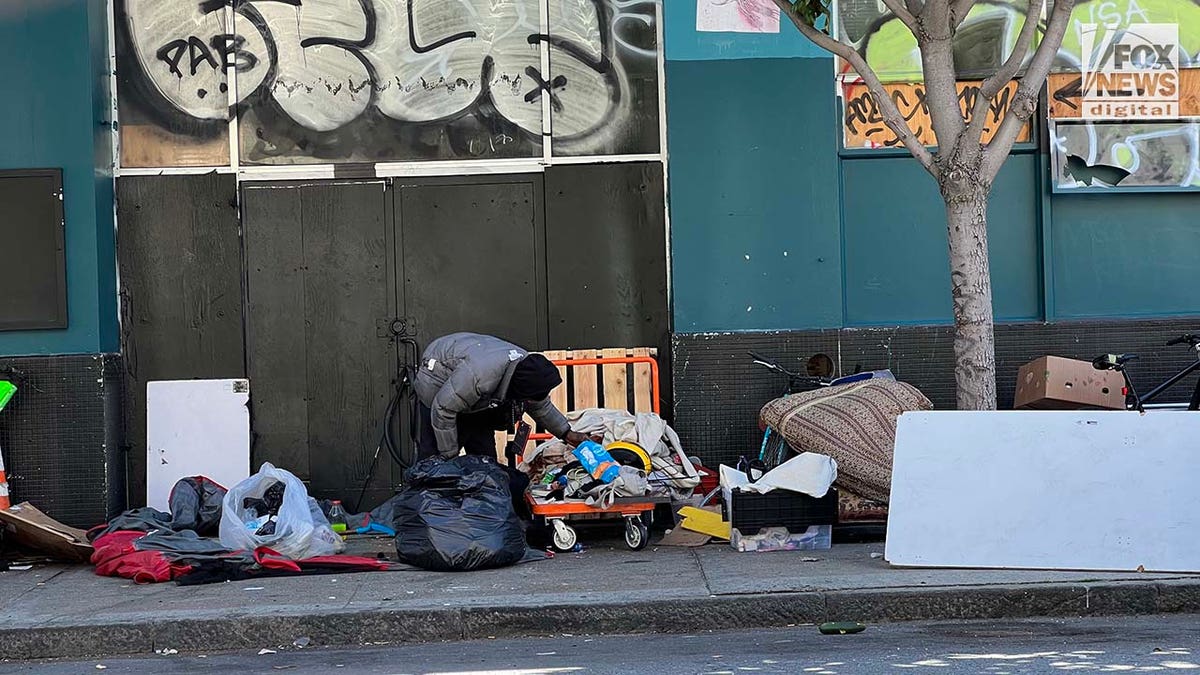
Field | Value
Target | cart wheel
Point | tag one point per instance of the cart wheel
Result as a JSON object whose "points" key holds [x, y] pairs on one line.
{"points": [[637, 535], [565, 537]]}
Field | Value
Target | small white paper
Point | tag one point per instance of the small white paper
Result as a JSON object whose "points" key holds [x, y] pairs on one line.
{"points": [[737, 16]]}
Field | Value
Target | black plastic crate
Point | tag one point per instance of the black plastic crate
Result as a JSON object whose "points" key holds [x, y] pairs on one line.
{"points": [[749, 512]]}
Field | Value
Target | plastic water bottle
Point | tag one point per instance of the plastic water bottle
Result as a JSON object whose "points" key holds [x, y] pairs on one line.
{"points": [[597, 461], [337, 517]]}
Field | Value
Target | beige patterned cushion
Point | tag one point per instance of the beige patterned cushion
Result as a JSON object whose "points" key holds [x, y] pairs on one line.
{"points": [[853, 423]]}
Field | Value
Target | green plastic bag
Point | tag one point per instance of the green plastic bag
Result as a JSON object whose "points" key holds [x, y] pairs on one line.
{"points": [[7, 391]]}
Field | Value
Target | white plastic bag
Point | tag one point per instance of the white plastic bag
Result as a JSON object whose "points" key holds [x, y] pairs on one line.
{"points": [[301, 530]]}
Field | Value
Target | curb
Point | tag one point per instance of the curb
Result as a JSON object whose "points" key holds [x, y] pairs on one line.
{"points": [[734, 612]]}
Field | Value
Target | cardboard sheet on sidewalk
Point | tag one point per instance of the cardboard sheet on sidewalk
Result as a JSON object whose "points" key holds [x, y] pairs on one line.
{"points": [[685, 538], [31, 528]]}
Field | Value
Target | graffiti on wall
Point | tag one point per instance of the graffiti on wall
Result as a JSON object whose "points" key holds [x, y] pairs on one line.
{"points": [[1124, 155], [381, 80], [863, 125], [982, 43], [987, 36], [1085, 155], [1118, 14], [1108, 155], [1065, 94]]}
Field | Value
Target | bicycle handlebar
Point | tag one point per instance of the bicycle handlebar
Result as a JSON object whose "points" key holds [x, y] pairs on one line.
{"points": [[759, 357], [1112, 361], [772, 365]]}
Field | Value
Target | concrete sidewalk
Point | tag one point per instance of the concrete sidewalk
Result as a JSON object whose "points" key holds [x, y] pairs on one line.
{"points": [[70, 612]]}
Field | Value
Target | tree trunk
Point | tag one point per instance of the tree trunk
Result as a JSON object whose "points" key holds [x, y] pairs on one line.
{"points": [[970, 277]]}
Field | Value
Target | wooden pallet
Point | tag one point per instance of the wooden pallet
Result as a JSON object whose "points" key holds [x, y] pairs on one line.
{"points": [[620, 386]]}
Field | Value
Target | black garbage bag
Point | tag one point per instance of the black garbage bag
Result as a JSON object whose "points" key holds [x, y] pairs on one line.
{"points": [[195, 504], [457, 515]]}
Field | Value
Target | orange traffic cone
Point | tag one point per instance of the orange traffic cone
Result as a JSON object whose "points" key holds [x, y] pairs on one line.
{"points": [[4, 503], [7, 391]]}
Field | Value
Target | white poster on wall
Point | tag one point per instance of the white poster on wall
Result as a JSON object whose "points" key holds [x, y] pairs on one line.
{"points": [[737, 16]]}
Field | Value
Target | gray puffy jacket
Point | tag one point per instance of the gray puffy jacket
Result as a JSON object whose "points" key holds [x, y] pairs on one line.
{"points": [[465, 373]]}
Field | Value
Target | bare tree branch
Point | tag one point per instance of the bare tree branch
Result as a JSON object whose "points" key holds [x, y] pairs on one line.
{"points": [[891, 114], [941, 85], [902, 13], [1007, 71], [959, 9], [914, 6], [1025, 101]]}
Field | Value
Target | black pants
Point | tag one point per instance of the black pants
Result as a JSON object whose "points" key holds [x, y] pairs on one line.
{"points": [[477, 434]]}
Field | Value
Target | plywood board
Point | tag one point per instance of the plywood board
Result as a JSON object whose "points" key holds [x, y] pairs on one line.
{"points": [[195, 428], [1105, 491], [643, 375], [615, 379], [275, 326], [180, 258], [491, 223], [863, 126], [614, 212], [559, 396], [1066, 94], [321, 292], [347, 289], [151, 146], [587, 393]]}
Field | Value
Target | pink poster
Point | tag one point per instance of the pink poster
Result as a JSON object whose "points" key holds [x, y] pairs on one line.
{"points": [[737, 16]]}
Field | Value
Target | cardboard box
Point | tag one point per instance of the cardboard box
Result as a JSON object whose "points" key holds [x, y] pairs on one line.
{"points": [[38, 531], [1055, 383]]}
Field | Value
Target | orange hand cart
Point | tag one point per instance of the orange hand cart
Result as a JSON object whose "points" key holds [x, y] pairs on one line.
{"points": [[637, 512], [607, 378]]}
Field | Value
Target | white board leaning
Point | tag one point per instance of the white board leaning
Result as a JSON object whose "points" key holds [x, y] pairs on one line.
{"points": [[1104, 491], [195, 428]]}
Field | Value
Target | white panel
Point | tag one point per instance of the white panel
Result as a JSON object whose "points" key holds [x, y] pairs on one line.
{"points": [[195, 428], [1046, 490]]}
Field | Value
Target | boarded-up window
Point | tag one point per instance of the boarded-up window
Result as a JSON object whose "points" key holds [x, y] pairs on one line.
{"points": [[33, 284]]}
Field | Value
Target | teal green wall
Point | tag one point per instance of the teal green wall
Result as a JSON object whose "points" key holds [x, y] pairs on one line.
{"points": [[754, 205], [897, 263], [1125, 255], [753, 128], [52, 63]]}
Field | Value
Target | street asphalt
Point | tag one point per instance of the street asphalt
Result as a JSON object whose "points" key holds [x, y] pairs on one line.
{"points": [[1090, 645]]}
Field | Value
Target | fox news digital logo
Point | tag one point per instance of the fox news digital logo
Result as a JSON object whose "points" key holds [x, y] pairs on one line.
{"points": [[1132, 72]]}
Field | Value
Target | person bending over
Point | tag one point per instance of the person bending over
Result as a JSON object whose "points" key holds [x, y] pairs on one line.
{"points": [[472, 385]]}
